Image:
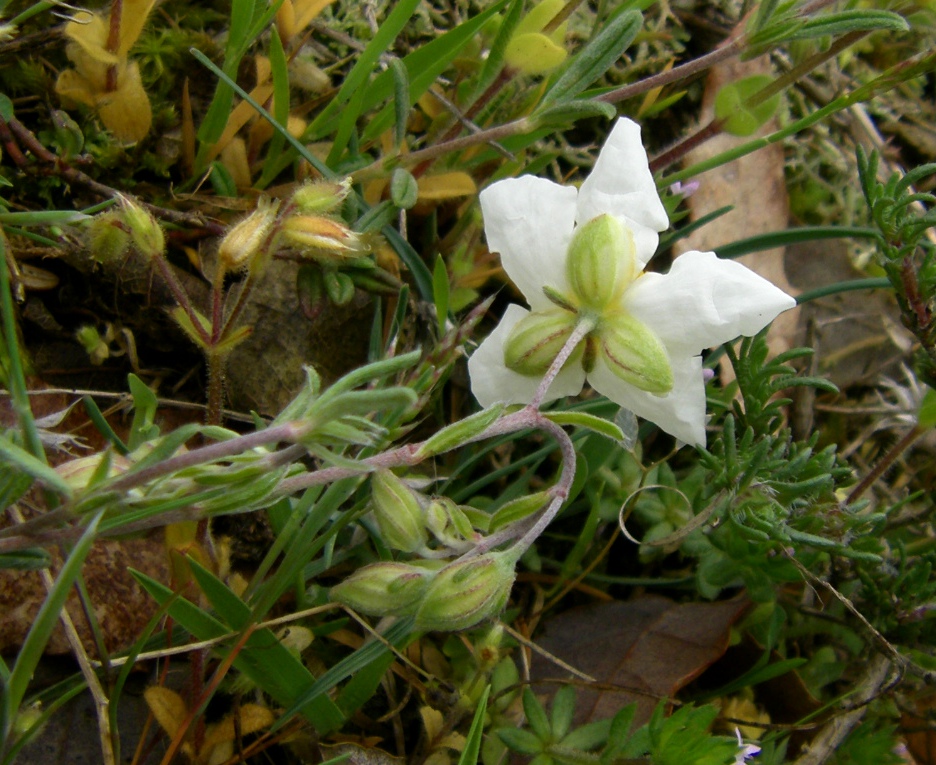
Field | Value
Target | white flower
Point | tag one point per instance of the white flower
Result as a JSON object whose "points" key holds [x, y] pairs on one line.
{"points": [[648, 328], [746, 751]]}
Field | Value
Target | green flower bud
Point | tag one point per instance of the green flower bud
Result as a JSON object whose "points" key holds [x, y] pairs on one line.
{"points": [[401, 521], [107, 237], [320, 196], [448, 523], [633, 353], [145, 232], [467, 592], [536, 340], [383, 588], [602, 261]]}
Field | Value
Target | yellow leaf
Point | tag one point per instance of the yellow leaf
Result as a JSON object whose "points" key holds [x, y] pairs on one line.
{"points": [[89, 31], [239, 117], [432, 722], [286, 21], [253, 717], [533, 53], [234, 158], [73, 89], [167, 707], [127, 112], [132, 19], [434, 188], [307, 10]]}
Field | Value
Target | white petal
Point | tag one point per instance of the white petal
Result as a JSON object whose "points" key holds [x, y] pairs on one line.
{"points": [[621, 184], [491, 381], [704, 301], [681, 412], [529, 221]]}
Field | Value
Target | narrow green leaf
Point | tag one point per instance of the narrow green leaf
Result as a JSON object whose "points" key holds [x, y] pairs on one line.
{"points": [[790, 236], [103, 426], [424, 66], [460, 432], [520, 740], [401, 101], [366, 62], [26, 560], [843, 22], [565, 113], [18, 458], [469, 755], [398, 636], [596, 57], [536, 715], [927, 416], [45, 621], [145, 405], [587, 421], [7, 112], [279, 68], [440, 292]]}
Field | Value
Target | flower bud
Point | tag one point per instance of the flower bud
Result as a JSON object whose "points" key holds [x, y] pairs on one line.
{"points": [[602, 261], [317, 197], [82, 472], [107, 237], [243, 243], [536, 340], [383, 588], [401, 521], [633, 353], [467, 592], [333, 239], [145, 232]]}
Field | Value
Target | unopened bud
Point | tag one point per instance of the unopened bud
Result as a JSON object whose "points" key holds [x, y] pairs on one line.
{"points": [[536, 340], [467, 592], [81, 472], [108, 238], [384, 588], [244, 243], [145, 232], [317, 197], [602, 261], [331, 239], [634, 354], [401, 521]]}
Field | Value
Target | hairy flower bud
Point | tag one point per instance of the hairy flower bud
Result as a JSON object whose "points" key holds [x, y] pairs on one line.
{"points": [[107, 237], [601, 261], [332, 239], [634, 354], [467, 592], [401, 520], [536, 340], [243, 244], [145, 232], [319, 197], [383, 588]]}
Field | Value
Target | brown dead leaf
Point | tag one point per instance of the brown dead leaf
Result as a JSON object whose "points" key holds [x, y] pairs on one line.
{"points": [[647, 648]]}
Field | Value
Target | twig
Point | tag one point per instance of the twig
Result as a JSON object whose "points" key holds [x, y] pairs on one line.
{"points": [[826, 742], [101, 702], [29, 141]]}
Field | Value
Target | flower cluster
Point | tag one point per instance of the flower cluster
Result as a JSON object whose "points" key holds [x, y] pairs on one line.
{"points": [[578, 257]]}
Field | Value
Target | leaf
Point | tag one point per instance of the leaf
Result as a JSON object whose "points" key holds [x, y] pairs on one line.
{"points": [[735, 107], [472, 748], [596, 57], [167, 707], [650, 645]]}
